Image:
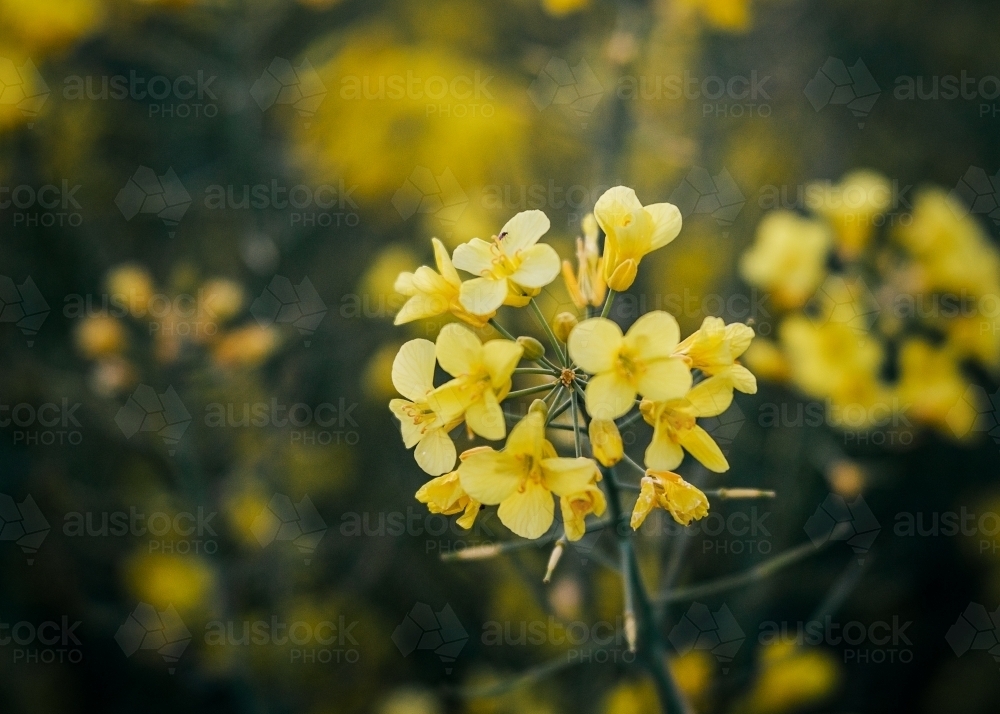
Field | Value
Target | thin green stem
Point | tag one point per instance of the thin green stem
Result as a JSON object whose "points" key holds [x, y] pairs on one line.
{"points": [[558, 411], [630, 419], [607, 302], [553, 340], [500, 328], [576, 425], [536, 370], [532, 390]]}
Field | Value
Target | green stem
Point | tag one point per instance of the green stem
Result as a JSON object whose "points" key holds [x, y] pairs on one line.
{"points": [[607, 302], [536, 370], [576, 425], [532, 390], [630, 419], [556, 412], [500, 328], [553, 340]]}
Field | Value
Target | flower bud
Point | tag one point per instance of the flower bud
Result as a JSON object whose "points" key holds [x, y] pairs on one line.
{"points": [[563, 324], [606, 442], [624, 276], [539, 406], [533, 349]]}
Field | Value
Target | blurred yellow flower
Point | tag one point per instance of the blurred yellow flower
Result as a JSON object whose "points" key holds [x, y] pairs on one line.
{"points": [[246, 346], [523, 477], [220, 300], [674, 426], [693, 672], [132, 285], [766, 360], [422, 426], [445, 495], [482, 378], [791, 678], [852, 207], [430, 293], [632, 231], [513, 266], [99, 336], [40, 26], [641, 362], [672, 493], [729, 15], [162, 580], [788, 258], [561, 8], [931, 386]]}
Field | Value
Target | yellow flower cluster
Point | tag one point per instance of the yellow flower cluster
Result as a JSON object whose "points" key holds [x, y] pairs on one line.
{"points": [[867, 287], [677, 381]]}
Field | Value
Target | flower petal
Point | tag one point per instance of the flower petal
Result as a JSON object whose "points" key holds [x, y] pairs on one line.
{"points": [[613, 205], [663, 454], [609, 396], [666, 223], [566, 476], [523, 231], [481, 296], [664, 379], [435, 453], [645, 503], [653, 335], [412, 432], [528, 513], [501, 357], [702, 446], [594, 343], [443, 262], [474, 257], [539, 266], [458, 350], [450, 400], [490, 476], [710, 397], [485, 417], [413, 369], [527, 436]]}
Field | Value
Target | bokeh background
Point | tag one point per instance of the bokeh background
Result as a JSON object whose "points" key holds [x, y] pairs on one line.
{"points": [[203, 208]]}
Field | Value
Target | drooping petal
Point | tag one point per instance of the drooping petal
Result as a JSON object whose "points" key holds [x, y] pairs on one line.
{"points": [[435, 453], [539, 266], [458, 350], [666, 223], [564, 476], [443, 262], [490, 476], [412, 432], [609, 396], [474, 257], [653, 335], [481, 296], [469, 517], [413, 369], [577, 506], [741, 378], [702, 446], [685, 502], [500, 358], [442, 494], [523, 231], [663, 454], [664, 379], [419, 307], [594, 343], [528, 512], [645, 503], [485, 417]]}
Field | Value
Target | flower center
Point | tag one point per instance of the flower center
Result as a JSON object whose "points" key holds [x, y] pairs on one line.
{"points": [[628, 365]]}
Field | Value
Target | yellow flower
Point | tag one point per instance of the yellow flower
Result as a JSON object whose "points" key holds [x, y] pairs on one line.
{"points": [[792, 678], [421, 425], [433, 293], [577, 506], [586, 286], [674, 427], [714, 348], [788, 258], [511, 268], [523, 476], [672, 493], [482, 378], [606, 441], [641, 361], [852, 207], [445, 495], [931, 387], [631, 231]]}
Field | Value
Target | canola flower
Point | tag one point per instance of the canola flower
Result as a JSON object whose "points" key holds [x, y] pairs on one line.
{"points": [[594, 379]]}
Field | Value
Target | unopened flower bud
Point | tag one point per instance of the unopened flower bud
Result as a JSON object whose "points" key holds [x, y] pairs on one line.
{"points": [[563, 324], [624, 276], [539, 406], [533, 349], [606, 442]]}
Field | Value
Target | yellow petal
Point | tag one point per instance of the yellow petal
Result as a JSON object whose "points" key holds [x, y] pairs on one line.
{"points": [[702, 446], [435, 453], [711, 396], [613, 205], [684, 501], [653, 335], [624, 275], [742, 378], [564, 476], [444, 264], [481, 296], [528, 436], [539, 267], [419, 307], [523, 231], [404, 284], [664, 379], [593, 344], [490, 476], [485, 417], [576, 507], [459, 351], [442, 494], [663, 454], [666, 223], [529, 512], [412, 432], [739, 336], [450, 400], [605, 441], [645, 503], [474, 257], [609, 396], [469, 517], [500, 358], [413, 369]]}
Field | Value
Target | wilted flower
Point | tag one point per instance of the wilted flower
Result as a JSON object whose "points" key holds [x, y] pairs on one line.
{"points": [[445, 495], [672, 493]]}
